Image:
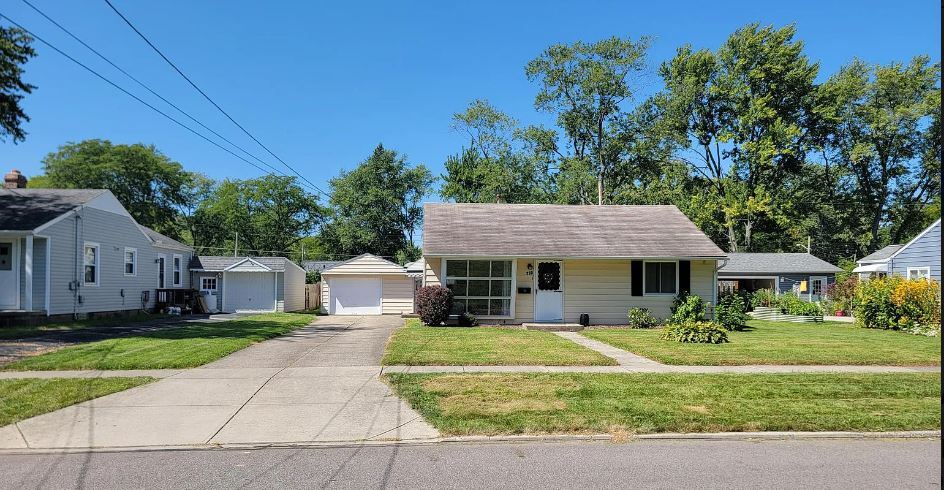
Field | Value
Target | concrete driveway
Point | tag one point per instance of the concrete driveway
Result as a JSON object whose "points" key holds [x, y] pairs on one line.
{"points": [[319, 383]]}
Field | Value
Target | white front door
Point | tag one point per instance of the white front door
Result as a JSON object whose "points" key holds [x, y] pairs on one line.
{"points": [[549, 292], [9, 275], [817, 288], [355, 296]]}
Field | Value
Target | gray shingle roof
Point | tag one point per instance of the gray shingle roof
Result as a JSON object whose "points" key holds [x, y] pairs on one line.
{"points": [[776, 263], [319, 265], [163, 241], [28, 209], [548, 230], [881, 254], [217, 263]]}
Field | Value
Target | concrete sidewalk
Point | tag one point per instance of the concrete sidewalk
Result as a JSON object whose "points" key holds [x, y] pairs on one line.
{"points": [[319, 383]]}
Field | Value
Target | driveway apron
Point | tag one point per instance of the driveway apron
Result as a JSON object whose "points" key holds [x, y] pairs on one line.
{"points": [[318, 383]]}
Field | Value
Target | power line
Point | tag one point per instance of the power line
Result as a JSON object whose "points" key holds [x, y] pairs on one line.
{"points": [[207, 97], [142, 84], [133, 96]]}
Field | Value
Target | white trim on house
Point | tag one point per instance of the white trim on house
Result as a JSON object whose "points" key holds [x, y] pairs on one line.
{"points": [[514, 282], [28, 273], [905, 246], [568, 257], [676, 262], [534, 289], [97, 264], [924, 270], [249, 259], [134, 262], [14, 269], [47, 292], [162, 271], [825, 283], [177, 270]]}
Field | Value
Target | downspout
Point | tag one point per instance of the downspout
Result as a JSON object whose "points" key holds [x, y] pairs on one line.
{"points": [[75, 265]]}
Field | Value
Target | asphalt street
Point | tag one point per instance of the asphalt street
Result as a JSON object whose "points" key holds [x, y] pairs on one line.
{"points": [[641, 464]]}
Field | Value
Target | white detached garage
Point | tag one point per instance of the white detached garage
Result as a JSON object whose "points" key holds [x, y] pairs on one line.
{"points": [[250, 284], [366, 285]]}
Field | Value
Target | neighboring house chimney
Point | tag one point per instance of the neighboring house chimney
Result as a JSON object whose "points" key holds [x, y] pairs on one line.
{"points": [[14, 180]]}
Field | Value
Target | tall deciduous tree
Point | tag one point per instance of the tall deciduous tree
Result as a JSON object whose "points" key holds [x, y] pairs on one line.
{"points": [[743, 115], [880, 116], [148, 183], [270, 214], [377, 207], [499, 166], [585, 84], [15, 51]]}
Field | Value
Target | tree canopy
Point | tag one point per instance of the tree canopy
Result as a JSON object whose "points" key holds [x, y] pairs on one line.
{"points": [[150, 185], [377, 207], [15, 50], [742, 138]]}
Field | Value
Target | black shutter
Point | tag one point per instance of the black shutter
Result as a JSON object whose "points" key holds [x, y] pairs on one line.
{"points": [[635, 272], [685, 276]]}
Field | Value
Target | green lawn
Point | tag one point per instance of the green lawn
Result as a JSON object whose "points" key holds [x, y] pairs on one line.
{"points": [[767, 342], [489, 404], [419, 345], [26, 331], [182, 347], [24, 398]]}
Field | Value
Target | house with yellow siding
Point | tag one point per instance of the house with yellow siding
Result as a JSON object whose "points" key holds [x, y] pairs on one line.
{"points": [[518, 263]]}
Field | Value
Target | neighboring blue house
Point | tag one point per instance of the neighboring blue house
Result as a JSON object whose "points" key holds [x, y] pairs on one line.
{"points": [[919, 258], [803, 274]]}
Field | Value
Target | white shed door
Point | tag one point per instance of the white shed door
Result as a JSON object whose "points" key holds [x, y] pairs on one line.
{"points": [[249, 291], [355, 296]]}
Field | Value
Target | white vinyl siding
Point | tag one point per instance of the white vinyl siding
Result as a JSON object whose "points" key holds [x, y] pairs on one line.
{"points": [[114, 232], [397, 295]]}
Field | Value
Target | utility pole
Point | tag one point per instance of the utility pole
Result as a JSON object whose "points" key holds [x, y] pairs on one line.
{"points": [[809, 243], [236, 247]]}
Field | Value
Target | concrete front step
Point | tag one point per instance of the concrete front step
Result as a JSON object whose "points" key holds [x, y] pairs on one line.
{"points": [[554, 327]]}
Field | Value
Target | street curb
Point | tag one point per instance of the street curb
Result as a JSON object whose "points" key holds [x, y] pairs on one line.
{"points": [[506, 439]]}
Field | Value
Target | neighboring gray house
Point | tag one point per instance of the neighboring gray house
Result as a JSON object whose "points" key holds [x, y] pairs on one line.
{"points": [[250, 284], [78, 251], [800, 273], [319, 265]]}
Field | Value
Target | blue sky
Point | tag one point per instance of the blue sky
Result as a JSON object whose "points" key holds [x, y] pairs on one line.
{"points": [[322, 84]]}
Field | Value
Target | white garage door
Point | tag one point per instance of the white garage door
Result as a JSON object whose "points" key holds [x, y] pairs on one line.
{"points": [[355, 296], [249, 291]]}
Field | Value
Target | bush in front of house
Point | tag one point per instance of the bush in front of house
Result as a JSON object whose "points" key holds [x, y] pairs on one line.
{"points": [[764, 298], [641, 318], [433, 304], [791, 304], [897, 303], [731, 312], [687, 308], [467, 320], [842, 294], [696, 332]]}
